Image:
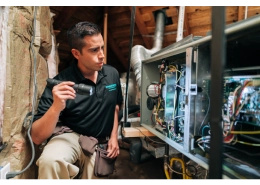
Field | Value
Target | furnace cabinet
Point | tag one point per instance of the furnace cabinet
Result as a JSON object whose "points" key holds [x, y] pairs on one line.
{"points": [[176, 95]]}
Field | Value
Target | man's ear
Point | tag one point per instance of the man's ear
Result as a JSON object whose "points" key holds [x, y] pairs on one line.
{"points": [[75, 53]]}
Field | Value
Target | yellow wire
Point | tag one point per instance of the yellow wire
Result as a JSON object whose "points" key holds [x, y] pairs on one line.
{"points": [[166, 172], [157, 109], [182, 165], [175, 94], [234, 140], [179, 76], [246, 143], [235, 97], [245, 132]]}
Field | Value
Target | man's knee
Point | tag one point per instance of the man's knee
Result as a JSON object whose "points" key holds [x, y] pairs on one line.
{"points": [[48, 160]]}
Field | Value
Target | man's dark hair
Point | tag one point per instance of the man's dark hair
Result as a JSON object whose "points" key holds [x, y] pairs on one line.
{"points": [[77, 33]]}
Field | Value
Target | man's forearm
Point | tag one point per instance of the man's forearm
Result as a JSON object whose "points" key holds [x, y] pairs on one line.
{"points": [[114, 132]]}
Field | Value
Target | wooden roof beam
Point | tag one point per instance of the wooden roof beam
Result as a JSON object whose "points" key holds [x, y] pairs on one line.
{"points": [[111, 42], [141, 27], [241, 13], [186, 24], [66, 13]]}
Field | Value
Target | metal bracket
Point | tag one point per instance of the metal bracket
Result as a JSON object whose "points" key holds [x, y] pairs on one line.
{"points": [[193, 89]]}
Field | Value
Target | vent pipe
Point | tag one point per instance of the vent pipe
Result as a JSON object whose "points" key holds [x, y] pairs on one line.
{"points": [[246, 12], [180, 23], [140, 53]]}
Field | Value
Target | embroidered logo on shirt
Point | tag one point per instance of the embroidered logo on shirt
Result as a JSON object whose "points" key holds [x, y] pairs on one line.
{"points": [[111, 87]]}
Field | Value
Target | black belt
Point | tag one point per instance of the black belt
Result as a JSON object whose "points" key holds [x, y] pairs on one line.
{"points": [[103, 140]]}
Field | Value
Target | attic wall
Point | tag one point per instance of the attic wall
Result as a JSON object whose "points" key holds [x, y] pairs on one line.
{"points": [[18, 91], [3, 47]]}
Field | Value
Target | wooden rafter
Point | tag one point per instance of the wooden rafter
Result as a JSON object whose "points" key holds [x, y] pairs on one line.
{"points": [[186, 25], [105, 32], [64, 16], [141, 27], [115, 48], [241, 10]]}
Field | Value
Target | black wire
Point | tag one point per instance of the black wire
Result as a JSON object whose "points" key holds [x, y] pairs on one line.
{"points": [[243, 151], [242, 162], [129, 59]]}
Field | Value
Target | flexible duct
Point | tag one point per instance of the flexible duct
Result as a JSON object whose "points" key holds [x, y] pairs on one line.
{"points": [[140, 53]]}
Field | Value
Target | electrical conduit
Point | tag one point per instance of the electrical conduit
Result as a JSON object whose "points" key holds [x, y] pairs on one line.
{"points": [[180, 24]]}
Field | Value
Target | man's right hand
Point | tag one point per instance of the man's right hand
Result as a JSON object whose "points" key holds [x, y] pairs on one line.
{"points": [[61, 93]]}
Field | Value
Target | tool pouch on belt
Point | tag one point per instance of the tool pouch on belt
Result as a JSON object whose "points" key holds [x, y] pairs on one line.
{"points": [[104, 165], [88, 144]]}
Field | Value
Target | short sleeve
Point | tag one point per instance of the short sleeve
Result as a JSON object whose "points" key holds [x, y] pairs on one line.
{"points": [[45, 103]]}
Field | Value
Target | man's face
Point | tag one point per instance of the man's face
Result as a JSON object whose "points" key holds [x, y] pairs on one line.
{"points": [[92, 56]]}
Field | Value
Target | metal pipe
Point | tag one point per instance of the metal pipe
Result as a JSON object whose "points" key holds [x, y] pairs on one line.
{"points": [[166, 161], [180, 24], [242, 69], [218, 60], [246, 12], [131, 120], [140, 53]]}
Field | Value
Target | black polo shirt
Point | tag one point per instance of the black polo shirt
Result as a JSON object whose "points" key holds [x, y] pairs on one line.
{"points": [[88, 115]]}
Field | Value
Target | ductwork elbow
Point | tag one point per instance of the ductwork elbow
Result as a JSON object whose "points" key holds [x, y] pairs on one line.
{"points": [[140, 53]]}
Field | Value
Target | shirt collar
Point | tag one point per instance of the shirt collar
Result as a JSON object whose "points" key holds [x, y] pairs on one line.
{"points": [[78, 75]]}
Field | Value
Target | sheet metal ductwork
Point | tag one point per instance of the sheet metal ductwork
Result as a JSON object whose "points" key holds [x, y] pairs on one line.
{"points": [[140, 53]]}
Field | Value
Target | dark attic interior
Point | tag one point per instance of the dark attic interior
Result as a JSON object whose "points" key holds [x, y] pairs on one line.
{"points": [[190, 84], [115, 21]]}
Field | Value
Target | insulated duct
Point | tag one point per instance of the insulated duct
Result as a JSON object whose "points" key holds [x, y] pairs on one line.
{"points": [[140, 53]]}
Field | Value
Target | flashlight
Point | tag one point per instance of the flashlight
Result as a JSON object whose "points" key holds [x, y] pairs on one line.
{"points": [[82, 89]]}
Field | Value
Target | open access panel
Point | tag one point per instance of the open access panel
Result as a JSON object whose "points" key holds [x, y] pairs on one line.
{"points": [[176, 94]]}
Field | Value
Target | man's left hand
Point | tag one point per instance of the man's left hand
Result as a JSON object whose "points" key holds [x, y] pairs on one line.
{"points": [[113, 148]]}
